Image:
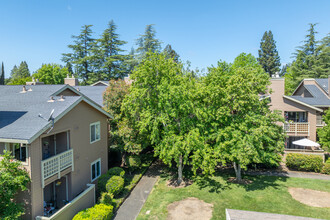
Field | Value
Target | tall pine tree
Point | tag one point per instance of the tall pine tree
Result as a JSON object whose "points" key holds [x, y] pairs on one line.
{"points": [[111, 57], [148, 42], [268, 55], [2, 75], [311, 60], [170, 53], [82, 53]]}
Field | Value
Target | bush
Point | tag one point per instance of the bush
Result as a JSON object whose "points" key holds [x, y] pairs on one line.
{"points": [[115, 185], [102, 182], [106, 198], [134, 162], [116, 171], [326, 168], [304, 162], [97, 212]]}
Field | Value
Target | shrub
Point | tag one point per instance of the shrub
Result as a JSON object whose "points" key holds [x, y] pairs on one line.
{"points": [[326, 168], [304, 162], [106, 198], [102, 182], [97, 212], [134, 162], [116, 171], [115, 185]]}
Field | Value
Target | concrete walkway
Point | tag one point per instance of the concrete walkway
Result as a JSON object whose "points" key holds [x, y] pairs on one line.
{"points": [[290, 174], [132, 206]]}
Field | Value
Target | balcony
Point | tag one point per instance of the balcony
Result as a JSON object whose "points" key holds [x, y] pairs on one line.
{"points": [[297, 128], [55, 165]]}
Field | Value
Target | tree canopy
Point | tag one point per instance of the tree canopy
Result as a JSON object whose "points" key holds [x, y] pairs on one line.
{"points": [[2, 74], [241, 127], [148, 42], [204, 121], [311, 60], [324, 133], [82, 53], [13, 178], [268, 55], [51, 74]]}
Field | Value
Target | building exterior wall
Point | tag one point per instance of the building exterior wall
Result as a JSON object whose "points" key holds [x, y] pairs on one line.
{"points": [[77, 122], [278, 102]]}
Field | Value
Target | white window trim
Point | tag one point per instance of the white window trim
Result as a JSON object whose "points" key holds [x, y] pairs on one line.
{"points": [[90, 132], [94, 162]]}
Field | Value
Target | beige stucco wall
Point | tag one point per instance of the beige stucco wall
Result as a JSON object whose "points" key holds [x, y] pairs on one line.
{"points": [[77, 121]]}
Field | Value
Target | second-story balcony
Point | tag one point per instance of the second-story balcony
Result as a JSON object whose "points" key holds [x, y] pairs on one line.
{"points": [[55, 165], [297, 128]]}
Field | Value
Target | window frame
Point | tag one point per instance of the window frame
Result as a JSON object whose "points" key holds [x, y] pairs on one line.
{"points": [[10, 147], [95, 134], [94, 163]]}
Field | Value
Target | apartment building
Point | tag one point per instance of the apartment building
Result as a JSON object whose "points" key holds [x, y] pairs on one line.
{"points": [[61, 137], [302, 110]]}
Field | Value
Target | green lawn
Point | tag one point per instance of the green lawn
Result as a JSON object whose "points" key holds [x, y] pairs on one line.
{"points": [[265, 194]]}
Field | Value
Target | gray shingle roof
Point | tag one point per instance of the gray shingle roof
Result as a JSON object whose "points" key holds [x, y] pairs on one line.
{"points": [[95, 93], [318, 99], [324, 84], [19, 111]]}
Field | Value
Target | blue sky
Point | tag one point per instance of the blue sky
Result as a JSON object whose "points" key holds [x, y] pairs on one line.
{"points": [[202, 32]]}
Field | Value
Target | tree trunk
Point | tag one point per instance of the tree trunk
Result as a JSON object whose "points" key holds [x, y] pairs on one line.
{"points": [[123, 159], [180, 171], [237, 168]]}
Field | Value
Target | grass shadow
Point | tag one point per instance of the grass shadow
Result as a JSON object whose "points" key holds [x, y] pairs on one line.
{"points": [[213, 185], [264, 182]]}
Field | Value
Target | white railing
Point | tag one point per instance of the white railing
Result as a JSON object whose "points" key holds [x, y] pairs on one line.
{"points": [[296, 127], [54, 165]]}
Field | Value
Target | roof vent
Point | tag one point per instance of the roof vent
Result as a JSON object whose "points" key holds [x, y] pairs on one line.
{"points": [[78, 89], [51, 99], [62, 98], [30, 89], [23, 90]]}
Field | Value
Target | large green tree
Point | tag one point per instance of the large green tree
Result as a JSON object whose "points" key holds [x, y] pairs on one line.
{"points": [[21, 72], [311, 61], [239, 125], [51, 74], [110, 49], [13, 178], [160, 108], [148, 42], [82, 56], [113, 98], [324, 133], [268, 55], [2, 74]]}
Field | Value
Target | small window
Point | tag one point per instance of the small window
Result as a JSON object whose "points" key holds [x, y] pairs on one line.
{"points": [[96, 169], [95, 132], [19, 151]]}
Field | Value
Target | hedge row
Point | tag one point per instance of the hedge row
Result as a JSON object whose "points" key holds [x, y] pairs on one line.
{"points": [[306, 163], [97, 212], [108, 185]]}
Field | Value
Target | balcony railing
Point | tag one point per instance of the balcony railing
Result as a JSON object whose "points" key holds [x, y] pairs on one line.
{"points": [[54, 165], [296, 127]]}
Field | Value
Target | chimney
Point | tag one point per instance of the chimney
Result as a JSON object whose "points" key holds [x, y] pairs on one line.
{"points": [[71, 81], [34, 82]]}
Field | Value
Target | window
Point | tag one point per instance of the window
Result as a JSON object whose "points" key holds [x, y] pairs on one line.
{"points": [[296, 116], [95, 132], [19, 151], [96, 169]]}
